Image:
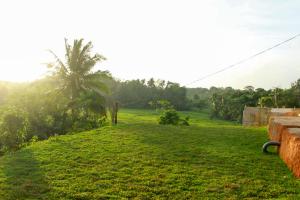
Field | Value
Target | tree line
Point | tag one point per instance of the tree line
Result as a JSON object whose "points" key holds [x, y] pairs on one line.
{"points": [[228, 103], [223, 103], [144, 94]]}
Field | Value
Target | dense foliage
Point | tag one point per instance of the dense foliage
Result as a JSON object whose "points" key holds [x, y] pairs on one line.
{"points": [[72, 98], [228, 103], [139, 93]]}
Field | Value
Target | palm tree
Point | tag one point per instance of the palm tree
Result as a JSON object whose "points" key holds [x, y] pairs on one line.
{"points": [[75, 76]]}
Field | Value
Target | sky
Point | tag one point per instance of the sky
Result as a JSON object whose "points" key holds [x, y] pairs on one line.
{"points": [[176, 40]]}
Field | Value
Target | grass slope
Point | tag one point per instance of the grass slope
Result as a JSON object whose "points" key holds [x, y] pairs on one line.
{"points": [[141, 159]]}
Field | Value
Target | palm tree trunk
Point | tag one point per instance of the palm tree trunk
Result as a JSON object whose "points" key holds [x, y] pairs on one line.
{"points": [[116, 113]]}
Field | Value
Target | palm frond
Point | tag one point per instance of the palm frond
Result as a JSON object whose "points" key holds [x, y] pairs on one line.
{"points": [[61, 64], [68, 51]]}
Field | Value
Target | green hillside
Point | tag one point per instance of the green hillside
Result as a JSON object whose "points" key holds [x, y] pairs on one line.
{"points": [[140, 159]]}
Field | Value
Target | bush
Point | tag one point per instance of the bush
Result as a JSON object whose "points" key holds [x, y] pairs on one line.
{"points": [[171, 116], [13, 128]]}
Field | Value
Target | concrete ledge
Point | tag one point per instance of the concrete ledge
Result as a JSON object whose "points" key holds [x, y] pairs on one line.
{"points": [[278, 124], [289, 149], [256, 116]]}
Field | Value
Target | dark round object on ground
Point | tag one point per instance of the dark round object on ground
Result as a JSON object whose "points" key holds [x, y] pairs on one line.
{"points": [[270, 143]]}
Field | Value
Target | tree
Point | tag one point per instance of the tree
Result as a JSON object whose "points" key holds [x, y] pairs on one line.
{"points": [[13, 128], [151, 83], [176, 95], [266, 102], [249, 88], [75, 76]]}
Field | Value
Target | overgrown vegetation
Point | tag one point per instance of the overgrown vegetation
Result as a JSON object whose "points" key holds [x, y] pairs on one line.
{"points": [[72, 98], [228, 103]]}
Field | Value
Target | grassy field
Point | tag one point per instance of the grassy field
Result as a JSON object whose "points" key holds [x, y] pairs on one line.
{"points": [[140, 159]]}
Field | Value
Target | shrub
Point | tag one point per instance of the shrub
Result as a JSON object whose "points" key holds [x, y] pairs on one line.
{"points": [[13, 128], [170, 116]]}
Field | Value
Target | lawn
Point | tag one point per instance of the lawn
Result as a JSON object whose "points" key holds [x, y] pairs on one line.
{"points": [[211, 159]]}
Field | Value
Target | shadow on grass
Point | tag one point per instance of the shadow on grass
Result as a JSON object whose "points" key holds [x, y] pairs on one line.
{"points": [[24, 178]]}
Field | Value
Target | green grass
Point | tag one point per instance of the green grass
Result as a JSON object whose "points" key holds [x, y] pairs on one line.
{"points": [[140, 159]]}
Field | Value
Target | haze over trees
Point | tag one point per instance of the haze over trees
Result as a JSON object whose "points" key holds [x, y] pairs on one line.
{"points": [[139, 93], [73, 97]]}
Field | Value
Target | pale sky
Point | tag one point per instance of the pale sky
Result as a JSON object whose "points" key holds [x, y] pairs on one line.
{"points": [[176, 40]]}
